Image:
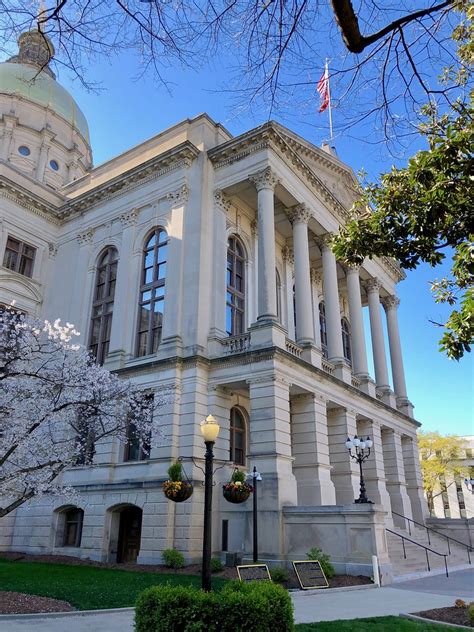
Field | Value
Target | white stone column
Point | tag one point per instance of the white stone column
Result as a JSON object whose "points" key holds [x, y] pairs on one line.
{"points": [[122, 299], [390, 304], [395, 474], [331, 302], [316, 285], [345, 472], [265, 182], [288, 260], [310, 448], [304, 313], [378, 345], [359, 351], [413, 478]]}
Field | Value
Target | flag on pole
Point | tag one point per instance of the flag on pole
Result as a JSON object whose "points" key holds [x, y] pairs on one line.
{"points": [[323, 89]]}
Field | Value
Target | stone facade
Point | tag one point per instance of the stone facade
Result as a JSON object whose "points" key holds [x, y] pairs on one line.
{"points": [[283, 344]]}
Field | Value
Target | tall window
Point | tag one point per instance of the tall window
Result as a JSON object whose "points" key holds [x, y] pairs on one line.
{"points": [[323, 329], [346, 340], [73, 520], [19, 257], [238, 438], [235, 303], [138, 443], [152, 292], [278, 294], [103, 304]]}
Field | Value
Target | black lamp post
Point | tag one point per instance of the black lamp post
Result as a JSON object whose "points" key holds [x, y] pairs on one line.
{"points": [[210, 429], [361, 453], [255, 476]]}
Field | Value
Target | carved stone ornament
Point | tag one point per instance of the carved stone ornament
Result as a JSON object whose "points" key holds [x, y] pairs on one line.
{"points": [[52, 249], [316, 276], [130, 218], [324, 241], [85, 237], [254, 227], [179, 196], [265, 179], [390, 302], [221, 200], [373, 285], [299, 214], [287, 254]]}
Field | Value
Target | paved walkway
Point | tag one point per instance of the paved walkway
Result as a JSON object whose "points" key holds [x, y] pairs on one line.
{"points": [[406, 597]]}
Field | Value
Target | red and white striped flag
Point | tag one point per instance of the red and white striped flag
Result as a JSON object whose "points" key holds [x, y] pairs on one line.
{"points": [[323, 89]]}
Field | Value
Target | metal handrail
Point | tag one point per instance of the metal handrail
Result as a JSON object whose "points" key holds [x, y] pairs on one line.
{"points": [[428, 529], [403, 537]]}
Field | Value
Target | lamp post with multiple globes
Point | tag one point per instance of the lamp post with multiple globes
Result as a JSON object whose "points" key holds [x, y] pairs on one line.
{"points": [[360, 454], [210, 430]]}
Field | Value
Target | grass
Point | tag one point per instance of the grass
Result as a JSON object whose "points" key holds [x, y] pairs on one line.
{"points": [[376, 624], [86, 587]]}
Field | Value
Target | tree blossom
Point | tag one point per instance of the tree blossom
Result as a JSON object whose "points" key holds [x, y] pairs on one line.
{"points": [[56, 403]]}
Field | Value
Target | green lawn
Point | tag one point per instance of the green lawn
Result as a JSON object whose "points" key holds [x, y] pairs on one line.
{"points": [[86, 587], [377, 624]]}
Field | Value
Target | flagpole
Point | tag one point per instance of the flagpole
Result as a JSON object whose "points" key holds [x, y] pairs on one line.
{"points": [[329, 94]]}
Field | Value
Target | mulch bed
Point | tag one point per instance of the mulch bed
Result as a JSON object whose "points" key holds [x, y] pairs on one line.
{"points": [[19, 603], [339, 581], [451, 614]]}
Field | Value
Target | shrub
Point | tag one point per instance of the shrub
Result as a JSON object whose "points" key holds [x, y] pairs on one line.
{"points": [[216, 565], [470, 610], [279, 575], [324, 559], [239, 607], [175, 472], [173, 558], [460, 603]]}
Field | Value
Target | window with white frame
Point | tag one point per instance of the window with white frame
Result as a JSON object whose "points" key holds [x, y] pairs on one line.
{"points": [[235, 296], [238, 436]]}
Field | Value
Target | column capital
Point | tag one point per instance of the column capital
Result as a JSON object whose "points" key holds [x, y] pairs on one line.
{"points": [[351, 268], [316, 276], [390, 302], [300, 213], [324, 241], [373, 285], [52, 249], [85, 237], [130, 218], [254, 228], [178, 196], [287, 254], [221, 200], [265, 179]]}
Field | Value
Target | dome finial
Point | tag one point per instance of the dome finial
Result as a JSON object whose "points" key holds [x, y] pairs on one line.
{"points": [[35, 47], [42, 15]]}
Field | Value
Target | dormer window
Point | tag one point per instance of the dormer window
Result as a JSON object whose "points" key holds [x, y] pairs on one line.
{"points": [[19, 257], [24, 150]]}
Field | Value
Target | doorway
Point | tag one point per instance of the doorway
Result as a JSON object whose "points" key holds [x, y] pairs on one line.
{"points": [[130, 529]]}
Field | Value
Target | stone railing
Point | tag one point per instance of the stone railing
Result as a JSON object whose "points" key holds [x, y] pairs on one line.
{"points": [[236, 344], [293, 348], [327, 366], [355, 381]]}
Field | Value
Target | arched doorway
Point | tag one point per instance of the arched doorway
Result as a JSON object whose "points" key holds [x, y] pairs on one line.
{"points": [[129, 534]]}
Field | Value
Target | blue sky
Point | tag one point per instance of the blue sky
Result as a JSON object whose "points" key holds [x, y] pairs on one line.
{"points": [[127, 111]]}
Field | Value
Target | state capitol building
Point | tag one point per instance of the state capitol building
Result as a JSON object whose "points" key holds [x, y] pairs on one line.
{"points": [[199, 261]]}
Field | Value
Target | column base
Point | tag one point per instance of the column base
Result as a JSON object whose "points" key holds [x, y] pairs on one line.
{"points": [[170, 346], [405, 406], [386, 394], [115, 359], [267, 334], [367, 385], [342, 369], [312, 354]]}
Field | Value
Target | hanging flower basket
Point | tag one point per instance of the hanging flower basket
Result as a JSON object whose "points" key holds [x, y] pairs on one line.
{"points": [[237, 492], [177, 491]]}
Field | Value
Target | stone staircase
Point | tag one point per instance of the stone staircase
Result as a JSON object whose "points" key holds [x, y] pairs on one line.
{"points": [[415, 565]]}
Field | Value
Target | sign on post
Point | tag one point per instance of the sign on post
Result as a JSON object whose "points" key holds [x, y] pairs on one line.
{"points": [[310, 574], [253, 572]]}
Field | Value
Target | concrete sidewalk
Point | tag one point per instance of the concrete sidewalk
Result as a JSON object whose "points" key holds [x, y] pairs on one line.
{"points": [[407, 597]]}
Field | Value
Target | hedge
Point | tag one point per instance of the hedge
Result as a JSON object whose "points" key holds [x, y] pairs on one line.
{"points": [[238, 607]]}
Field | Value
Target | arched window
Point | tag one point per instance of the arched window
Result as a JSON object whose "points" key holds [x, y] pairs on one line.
{"points": [[323, 329], [152, 292], [238, 437], [235, 301], [346, 339], [278, 294], [103, 304], [72, 534]]}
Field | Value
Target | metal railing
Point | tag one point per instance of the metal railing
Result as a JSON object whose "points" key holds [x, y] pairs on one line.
{"points": [[422, 546], [442, 535]]}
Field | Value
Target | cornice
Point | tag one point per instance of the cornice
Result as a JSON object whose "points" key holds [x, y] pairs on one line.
{"points": [[16, 193], [180, 156]]}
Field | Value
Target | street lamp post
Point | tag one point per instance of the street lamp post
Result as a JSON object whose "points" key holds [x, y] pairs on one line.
{"points": [[255, 476], [210, 430], [361, 453]]}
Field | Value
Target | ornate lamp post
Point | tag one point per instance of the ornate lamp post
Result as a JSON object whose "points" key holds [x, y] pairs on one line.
{"points": [[361, 453], [255, 476], [210, 430]]}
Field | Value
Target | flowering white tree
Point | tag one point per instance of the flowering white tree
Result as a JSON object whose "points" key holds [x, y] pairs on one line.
{"points": [[55, 405]]}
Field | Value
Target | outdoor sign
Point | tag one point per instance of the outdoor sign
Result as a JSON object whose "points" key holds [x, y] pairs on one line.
{"points": [[254, 572], [310, 574]]}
